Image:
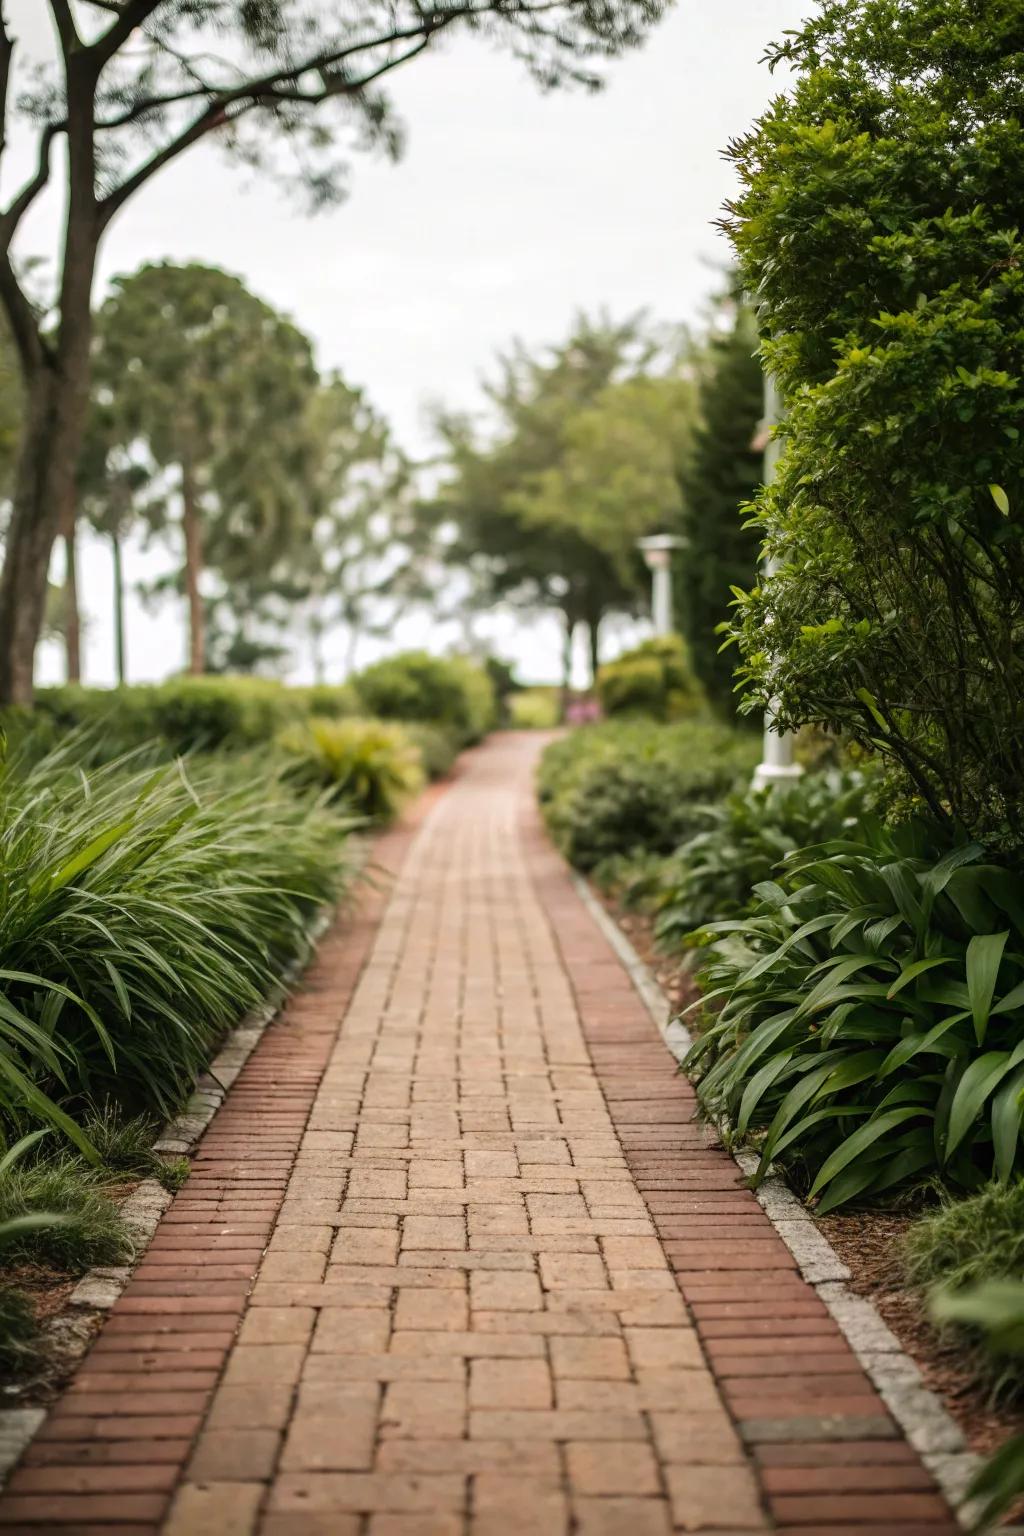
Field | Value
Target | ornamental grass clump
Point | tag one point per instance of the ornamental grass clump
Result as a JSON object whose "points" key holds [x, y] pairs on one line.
{"points": [[373, 766], [864, 1025], [142, 913]]}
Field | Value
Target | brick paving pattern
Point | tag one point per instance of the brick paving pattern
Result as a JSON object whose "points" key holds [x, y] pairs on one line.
{"points": [[509, 1286]]}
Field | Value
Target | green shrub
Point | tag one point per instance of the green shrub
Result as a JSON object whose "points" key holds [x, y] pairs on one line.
{"points": [[622, 786], [653, 679], [437, 747], [206, 713], [865, 1021], [184, 714], [336, 700], [996, 1309], [447, 691], [141, 914], [964, 1243], [744, 839], [534, 709], [370, 764]]}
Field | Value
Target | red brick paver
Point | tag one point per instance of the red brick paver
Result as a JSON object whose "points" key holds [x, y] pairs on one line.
{"points": [[510, 1286]]}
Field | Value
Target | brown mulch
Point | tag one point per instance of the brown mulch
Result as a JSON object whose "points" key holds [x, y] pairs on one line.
{"points": [[869, 1242]]}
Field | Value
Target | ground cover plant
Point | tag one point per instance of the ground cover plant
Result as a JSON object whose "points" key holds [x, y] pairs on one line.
{"points": [[864, 1022], [743, 840], [617, 786], [142, 912]]}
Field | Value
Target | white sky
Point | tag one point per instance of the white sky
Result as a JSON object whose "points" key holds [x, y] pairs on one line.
{"points": [[509, 211]]}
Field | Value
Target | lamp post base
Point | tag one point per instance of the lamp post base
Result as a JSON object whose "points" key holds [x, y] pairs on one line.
{"points": [[768, 774]]}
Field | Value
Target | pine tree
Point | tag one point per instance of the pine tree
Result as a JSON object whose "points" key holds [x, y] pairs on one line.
{"points": [[722, 472]]}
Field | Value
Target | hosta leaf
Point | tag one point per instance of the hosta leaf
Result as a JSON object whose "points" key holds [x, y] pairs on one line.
{"points": [[984, 955], [912, 971], [1007, 1110], [864, 1137], [930, 1041], [758, 1086], [983, 1074]]}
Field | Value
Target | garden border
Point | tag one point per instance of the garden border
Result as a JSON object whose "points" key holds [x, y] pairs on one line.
{"points": [[73, 1327], [920, 1413]]}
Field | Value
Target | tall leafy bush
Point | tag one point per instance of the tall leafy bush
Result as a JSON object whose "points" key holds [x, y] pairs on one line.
{"points": [[449, 691], [620, 786], [879, 224], [655, 679]]}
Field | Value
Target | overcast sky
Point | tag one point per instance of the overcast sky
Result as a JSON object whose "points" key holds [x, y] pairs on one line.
{"points": [[509, 211]]}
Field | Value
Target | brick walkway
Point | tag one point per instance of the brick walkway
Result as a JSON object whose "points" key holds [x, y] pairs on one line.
{"points": [[510, 1288]]}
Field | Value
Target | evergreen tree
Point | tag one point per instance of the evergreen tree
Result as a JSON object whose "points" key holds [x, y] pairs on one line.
{"points": [[719, 476]]}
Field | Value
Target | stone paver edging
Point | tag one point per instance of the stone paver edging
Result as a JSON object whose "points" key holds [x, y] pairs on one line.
{"points": [[920, 1412]]}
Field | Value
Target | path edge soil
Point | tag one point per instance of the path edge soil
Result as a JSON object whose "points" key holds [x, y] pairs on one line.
{"points": [[919, 1412]]}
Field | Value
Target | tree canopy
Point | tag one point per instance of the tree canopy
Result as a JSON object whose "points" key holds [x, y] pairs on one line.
{"points": [[545, 509], [290, 87]]}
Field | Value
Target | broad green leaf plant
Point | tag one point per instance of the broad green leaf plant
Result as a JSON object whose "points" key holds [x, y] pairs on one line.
{"points": [[864, 1025]]}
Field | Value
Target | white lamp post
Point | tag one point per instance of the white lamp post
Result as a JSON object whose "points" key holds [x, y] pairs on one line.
{"points": [[776, 765], [657, 553]]}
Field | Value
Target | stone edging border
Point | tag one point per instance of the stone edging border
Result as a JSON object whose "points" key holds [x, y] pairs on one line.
{"points": [[919, 1411], [101, 1286]]}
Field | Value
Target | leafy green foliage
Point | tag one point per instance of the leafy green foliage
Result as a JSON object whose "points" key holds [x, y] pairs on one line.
{"points": [[546, 511], [718, 477], [185, 714], [653, 679], [436, 746], [534, 709], [57, 1211], [141, 914], [20, 1340], [611, 788], [966, 1243], [890, 177], [864, 1021], [744, 840], [997, 1309], [371, 765], [447, 691]]}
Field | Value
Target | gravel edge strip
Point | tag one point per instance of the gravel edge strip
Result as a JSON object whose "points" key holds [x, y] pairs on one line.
{"points": [[919, 1411], [73, 1329]]}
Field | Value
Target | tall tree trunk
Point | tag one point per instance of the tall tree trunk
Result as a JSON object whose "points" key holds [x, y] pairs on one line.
{"points": [[51, 440], [316, 646], [119, 646], [56, 379], [72, 616], [351, 648], [191, 523], [594, 635], [570, 630]]}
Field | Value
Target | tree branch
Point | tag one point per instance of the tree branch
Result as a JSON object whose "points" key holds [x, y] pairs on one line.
{"points": [[132, 15], [21, 318], [11, 216], [276, 87], [64, 22]]}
